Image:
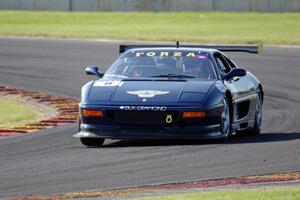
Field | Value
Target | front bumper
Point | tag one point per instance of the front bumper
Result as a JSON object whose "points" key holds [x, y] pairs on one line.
{"points": [[115, 132], [116, 127]]}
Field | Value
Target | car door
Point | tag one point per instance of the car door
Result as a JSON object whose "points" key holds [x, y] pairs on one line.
{"points": [[241, 89]]}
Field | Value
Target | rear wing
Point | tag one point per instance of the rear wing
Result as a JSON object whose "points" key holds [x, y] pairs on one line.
{"points": [[255, 49]]}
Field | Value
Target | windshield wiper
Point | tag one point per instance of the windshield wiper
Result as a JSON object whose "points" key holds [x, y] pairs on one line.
{"points": [[174, 76]]}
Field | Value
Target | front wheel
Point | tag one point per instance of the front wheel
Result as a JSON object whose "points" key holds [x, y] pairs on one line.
{"points": [[226, 120], [92, 142]]}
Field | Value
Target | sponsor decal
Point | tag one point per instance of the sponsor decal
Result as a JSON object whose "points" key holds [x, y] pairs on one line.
{"points": [[191, 54], [144, 108], [202, 56], [147, 93], [198, 55]]}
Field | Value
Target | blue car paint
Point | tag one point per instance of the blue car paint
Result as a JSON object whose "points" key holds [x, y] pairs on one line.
{"points": [[189, 91], [184, 95]]}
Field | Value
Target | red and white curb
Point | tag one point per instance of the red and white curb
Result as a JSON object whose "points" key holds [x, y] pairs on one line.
{"points": [[161, 188], [66, 109]]}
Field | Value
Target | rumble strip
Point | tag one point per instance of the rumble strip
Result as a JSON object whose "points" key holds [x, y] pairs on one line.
{"points": [[66, 109], [235, 182]]}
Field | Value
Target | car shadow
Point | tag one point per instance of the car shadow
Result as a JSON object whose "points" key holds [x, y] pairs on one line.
{"points": [[263, 138], [235, 139]]}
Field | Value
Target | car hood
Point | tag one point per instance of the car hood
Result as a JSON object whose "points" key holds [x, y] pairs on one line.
{"points": [[148, 91]]}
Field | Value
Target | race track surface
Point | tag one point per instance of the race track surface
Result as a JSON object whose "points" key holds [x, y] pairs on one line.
{"points": [[52, 161]]}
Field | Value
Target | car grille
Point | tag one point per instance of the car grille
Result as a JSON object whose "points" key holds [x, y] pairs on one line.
{"points": [[142, 117]]}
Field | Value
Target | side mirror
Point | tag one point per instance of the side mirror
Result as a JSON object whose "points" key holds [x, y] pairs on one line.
{"points": [[92, 70], [235, 72]]}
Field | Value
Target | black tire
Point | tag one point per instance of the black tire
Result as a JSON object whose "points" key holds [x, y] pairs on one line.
{"points": [[258, 118], [225, 124], [92, 142], [79, 123]]}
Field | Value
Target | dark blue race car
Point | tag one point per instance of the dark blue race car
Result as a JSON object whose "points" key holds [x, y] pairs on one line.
{"points": [[164, 92]]}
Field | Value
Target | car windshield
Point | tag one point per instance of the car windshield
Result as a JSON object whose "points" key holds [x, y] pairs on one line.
{"points": [[163, 63]]}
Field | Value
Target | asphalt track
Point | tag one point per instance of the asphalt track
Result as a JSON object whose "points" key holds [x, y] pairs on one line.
{"points": [[52, 161]]}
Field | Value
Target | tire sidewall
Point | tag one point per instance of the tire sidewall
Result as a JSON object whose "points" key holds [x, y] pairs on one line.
{"points": [[226, 136], [257, 126]]}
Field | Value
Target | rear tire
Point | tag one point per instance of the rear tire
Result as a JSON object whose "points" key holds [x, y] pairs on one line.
{"points": [[258, 117], [92, 142]]}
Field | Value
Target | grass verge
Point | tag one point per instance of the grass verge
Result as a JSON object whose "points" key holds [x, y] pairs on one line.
{"points": [[14, 113], [286, 193], [200, 27]]}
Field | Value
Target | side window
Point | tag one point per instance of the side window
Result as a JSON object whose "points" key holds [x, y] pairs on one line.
{"points": [[232, 65], [222, 63]]}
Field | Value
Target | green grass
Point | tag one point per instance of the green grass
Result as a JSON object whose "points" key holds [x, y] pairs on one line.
{"points": [[286, 193], [14, 113], [204, 27]]}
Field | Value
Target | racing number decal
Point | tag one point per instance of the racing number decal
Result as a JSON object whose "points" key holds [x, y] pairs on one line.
{"points": [[169, 119]]}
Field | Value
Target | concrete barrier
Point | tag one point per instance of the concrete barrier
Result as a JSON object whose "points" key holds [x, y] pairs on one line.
{"points": [[154, 5]]}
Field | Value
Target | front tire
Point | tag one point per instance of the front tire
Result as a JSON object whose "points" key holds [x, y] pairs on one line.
{"points": [[226, 120], [92, 142]]}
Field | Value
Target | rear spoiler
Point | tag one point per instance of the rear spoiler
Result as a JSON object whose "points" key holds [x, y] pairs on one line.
{"points": [[255, 49]]}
